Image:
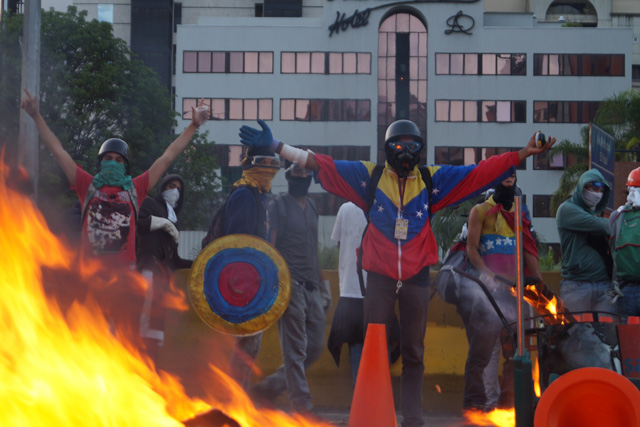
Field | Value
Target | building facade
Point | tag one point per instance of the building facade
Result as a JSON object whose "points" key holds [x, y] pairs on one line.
{"points": [[476, 83]]}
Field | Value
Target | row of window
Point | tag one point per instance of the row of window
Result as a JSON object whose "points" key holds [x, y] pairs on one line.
{"points": [[578, 65], [462, 156], [482, 63], [446, 63], [481, 111], [314, 110], [325, 63], [360, 110], [338, 110], [515, 111]]}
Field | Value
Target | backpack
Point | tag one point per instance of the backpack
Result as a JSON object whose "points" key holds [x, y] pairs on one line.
{"points": [[376, 174], [627, 245], [217, 224]]}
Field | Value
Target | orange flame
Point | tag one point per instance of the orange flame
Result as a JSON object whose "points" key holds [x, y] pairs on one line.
{"points": [[536, 377], [65, 362], [497, 417]]}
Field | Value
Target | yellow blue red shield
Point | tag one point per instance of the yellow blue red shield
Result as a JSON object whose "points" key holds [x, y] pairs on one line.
{"points": [[240, 284]]}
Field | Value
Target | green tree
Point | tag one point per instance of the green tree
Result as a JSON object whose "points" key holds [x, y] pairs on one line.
{"points": [[92, 88], [447, 223], [579, 152], [620, 116]]}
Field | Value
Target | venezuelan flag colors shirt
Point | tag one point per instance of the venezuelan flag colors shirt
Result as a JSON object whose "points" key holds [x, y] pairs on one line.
{"points": [[382, 252]]}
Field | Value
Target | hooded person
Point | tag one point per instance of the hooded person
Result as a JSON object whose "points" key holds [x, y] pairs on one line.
{"points": [[399, 246], [586, 262], [157, 239]]}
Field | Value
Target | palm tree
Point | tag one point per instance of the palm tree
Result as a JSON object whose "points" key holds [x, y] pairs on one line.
{"points": [[620, 116], [447, 223], [578, 153]]}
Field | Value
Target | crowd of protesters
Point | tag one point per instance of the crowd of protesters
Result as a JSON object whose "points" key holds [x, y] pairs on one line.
{"points": [[119, 221]]}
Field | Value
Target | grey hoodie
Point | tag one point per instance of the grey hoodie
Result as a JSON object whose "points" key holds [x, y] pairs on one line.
{"points": [[575, 223]]}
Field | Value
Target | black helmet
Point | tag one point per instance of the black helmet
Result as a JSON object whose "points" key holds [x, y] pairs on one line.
{"points": [[403, 162], [114, 145], [401, 128]]}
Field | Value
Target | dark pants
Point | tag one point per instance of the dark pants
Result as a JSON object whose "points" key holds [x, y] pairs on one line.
{"points": [[413, 302]]}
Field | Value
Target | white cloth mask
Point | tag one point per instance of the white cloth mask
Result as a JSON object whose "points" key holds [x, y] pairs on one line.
{"points": [[591, 198], [633, 198], [171, 196]]}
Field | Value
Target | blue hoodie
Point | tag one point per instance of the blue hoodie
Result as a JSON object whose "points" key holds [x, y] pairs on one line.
{"points": [[575, 221]]}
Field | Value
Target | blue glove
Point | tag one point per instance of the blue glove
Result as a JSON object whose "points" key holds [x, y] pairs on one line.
{"points": [[255, 138]]}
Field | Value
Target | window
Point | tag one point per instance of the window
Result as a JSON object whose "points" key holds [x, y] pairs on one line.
{"points": [[462, 156], [578, 65], [231, 109], [105, 13], [481, 111], [514, 64], [564, 111], [325, 63], [542, 206], [227, 62], [326, 110]]}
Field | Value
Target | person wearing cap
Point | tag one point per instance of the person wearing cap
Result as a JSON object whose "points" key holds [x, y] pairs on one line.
{"points": [[111, 198], [586, 263], [625, 248], [245, 212], [294, 232], [399, 246]]}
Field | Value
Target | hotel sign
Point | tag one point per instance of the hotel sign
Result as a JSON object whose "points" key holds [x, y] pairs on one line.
{"points": [[361, 18]]}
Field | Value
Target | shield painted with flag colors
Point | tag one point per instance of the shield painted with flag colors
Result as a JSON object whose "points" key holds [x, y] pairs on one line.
{"points": [[240, 284]]}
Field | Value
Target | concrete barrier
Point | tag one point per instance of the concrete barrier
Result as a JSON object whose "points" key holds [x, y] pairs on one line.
{"points": [[190, 346]]}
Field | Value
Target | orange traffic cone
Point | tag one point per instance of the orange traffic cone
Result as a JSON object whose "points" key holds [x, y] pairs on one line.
{"points": [[372, 403]]}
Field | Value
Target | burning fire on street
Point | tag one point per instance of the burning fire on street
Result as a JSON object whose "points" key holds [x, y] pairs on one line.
{"points": [[70, 361]]}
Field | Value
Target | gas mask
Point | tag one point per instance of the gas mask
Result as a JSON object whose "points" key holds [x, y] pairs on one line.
{"points": [[403, 156]]}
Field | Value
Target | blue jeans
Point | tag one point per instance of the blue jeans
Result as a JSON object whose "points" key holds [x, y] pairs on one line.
{"points": [[586, 296], [629, 305], [355, 353]]}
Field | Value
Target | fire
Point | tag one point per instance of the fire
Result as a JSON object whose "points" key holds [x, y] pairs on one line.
{"points": [[67, 360], [536, 377], [497, 417]]}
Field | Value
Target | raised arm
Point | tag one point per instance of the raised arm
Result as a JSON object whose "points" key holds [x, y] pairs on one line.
{"points": [[264, 138], [50, 140], [198, 117]]}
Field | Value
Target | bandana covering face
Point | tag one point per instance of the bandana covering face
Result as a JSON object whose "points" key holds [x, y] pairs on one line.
{"points": [[504, 195], [112, 173], [171, 196], [591, 198], [257, 177], [633, 198]]}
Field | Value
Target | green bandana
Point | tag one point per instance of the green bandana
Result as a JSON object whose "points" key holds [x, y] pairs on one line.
{"points": [[112, 173]]}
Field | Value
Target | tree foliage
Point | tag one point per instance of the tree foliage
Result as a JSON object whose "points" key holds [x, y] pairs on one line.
{"points": [[93, 88], [447, 223], [620, 116]]}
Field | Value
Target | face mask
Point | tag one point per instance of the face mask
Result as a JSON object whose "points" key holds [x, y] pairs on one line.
{"points": [[171, 196], [633, 198], [504, 195], [299, 187], [112, 172], [591, 198]]}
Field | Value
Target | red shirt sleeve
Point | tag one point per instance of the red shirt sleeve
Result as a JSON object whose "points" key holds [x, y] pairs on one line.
{"points": [[141, 182], [83, 179]]}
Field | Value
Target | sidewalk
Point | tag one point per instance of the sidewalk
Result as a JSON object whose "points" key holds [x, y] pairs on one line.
{"points": [[340, 418]]}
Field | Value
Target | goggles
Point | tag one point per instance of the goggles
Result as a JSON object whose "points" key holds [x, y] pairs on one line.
{"points": [[264, 161], [597, 184], [297, 170], [411, 146]]}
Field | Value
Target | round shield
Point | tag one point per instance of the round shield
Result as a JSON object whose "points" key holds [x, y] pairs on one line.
{"points": [[240, 284]]}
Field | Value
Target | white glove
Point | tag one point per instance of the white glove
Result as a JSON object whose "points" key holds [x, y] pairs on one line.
{"points": [[159, 223]]}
